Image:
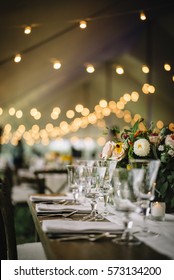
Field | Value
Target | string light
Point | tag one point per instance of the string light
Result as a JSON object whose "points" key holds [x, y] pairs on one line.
{"points": [[90, 68], [142, 15], [160, 124], [70, 114], [119, 70], [79, 108], [145, 69], [134, 96], [57, 65], [85, 112], [12, 111], [167, 67], [54, 116], [83, 24], [44, 136], [37, 116], [19, 114], [27, 30], [127, 97], [33, 112], [146, 89], [17, 58]]}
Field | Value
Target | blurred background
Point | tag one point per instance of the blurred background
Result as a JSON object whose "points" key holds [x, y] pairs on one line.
{"points": [[47, 95]]}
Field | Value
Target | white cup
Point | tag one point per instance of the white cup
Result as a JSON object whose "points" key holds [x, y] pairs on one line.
{"points": [[158, 210]]}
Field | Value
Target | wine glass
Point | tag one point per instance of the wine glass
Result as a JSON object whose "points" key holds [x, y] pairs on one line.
{"points": [[125, 201], [145, 192], [106, 187], [85, 162], [75, 176], [94, 177]]}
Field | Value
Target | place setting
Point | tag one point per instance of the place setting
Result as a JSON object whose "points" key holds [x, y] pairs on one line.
{"points": [[64, 230]]}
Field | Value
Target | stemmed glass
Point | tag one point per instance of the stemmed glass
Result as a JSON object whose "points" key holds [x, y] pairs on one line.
{"points": [[94, 177], [85, 162], [125, 201], [106, 187], [75, 176], [145, 192]]}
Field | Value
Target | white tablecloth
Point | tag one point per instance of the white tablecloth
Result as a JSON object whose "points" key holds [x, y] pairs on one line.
{"points": [[164, 242]]}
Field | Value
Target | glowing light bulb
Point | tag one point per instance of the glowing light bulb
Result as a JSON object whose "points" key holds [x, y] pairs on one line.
{"points": [[167, 67], [83, 24], [57, 65], [119, 70], [27, 30], [17, 58], [145, 69], [142, 16], [90, 68]]}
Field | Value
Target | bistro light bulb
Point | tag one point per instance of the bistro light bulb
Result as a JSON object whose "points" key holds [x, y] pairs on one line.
{"points": [[167, 67], [56, 65], [145, 69], [17, 58], [90, 68], [27, 30], [142, 16], [119, 70], [83, 24]]}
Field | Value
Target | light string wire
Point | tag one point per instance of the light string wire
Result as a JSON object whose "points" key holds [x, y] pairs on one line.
{"points": [[96, 16]]}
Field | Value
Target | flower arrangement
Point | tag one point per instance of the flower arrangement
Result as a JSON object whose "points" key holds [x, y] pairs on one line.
{"points": [[136, 143]]}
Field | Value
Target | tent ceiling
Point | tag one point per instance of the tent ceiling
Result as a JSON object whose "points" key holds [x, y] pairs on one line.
{"points": [[114, 35]]}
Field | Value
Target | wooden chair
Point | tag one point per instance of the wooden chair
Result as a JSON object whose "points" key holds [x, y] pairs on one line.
{"points": [[9, 250], [42, 176]]}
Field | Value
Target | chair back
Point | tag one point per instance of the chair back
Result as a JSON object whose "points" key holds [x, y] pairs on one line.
{"points": [[8, 248], [42, 177]]}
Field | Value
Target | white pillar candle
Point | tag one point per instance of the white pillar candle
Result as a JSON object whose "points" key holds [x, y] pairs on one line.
{"points": [[158, 209]]}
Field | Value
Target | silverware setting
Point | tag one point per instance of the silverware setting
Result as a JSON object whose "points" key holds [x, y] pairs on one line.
{"points": [[62, 202], [65, 215], [89, 237]]}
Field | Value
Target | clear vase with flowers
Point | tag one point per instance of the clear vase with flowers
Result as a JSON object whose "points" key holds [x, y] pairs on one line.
{"points": [[146, 143]]}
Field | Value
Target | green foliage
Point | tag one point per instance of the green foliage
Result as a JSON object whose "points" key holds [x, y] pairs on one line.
{"points": [[159, 149], [23, 224]]}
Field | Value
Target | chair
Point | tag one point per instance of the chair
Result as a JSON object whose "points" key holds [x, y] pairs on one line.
{"points": [[21, 191], [51, 180], [8, 247]]}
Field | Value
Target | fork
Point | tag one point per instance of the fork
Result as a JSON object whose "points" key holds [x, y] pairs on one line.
{"points": [[90, 237], [59, 214]]}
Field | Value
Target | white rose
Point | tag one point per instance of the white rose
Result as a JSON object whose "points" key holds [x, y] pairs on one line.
{"points": [[161, 148], [171, 153]]}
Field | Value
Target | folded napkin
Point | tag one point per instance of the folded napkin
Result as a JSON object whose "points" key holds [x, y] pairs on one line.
{"points": [[58, 208], [41, 198], [62, 226]]}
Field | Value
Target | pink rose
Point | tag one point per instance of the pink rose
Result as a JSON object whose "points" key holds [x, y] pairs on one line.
{"points": [[170, 140], [108, 150], [119, 151], [154, 138]]}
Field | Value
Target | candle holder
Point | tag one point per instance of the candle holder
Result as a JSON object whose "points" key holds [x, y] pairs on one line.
{"points": [[158, 210]]}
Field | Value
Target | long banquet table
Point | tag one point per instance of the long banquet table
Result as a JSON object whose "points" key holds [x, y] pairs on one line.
{"points": [[158, 248]]}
